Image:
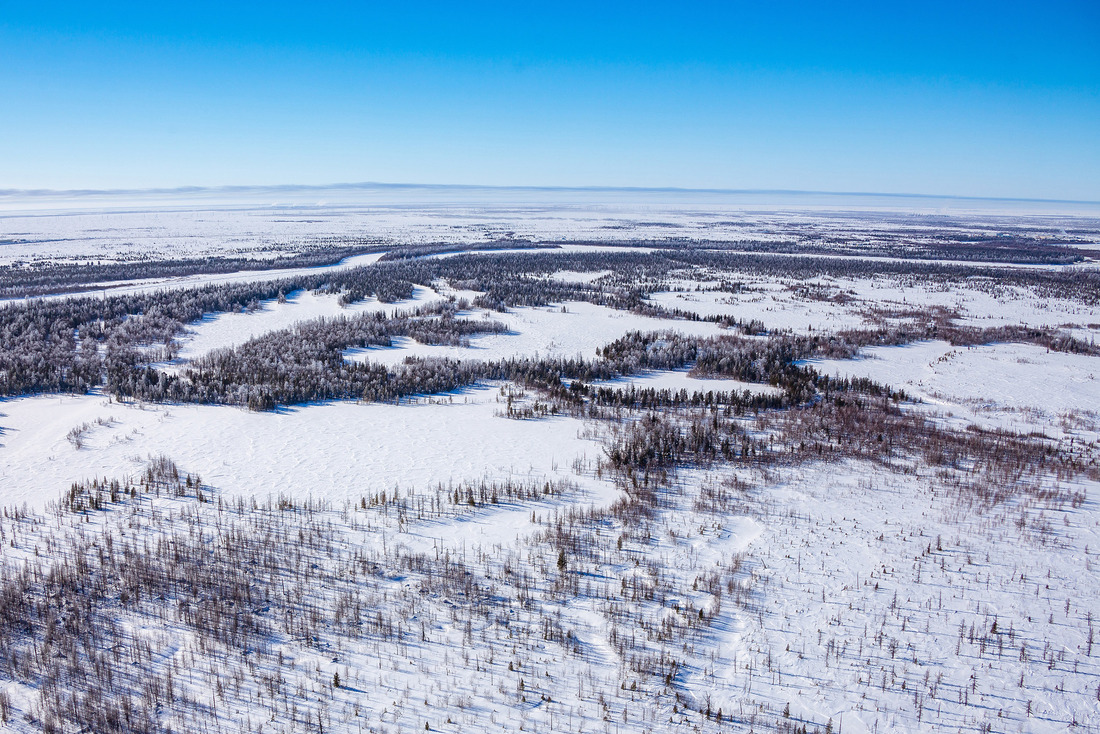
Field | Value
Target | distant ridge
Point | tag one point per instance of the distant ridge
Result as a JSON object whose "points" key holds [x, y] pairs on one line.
{"points": [[379, 186]]}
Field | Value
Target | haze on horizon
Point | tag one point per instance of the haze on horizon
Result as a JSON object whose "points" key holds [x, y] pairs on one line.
{"points": [[990, 100]]}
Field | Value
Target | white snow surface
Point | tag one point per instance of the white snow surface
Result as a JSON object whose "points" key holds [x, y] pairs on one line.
{"points": [[222, 330], [1020, 387], [677, 380], [99, 226], [858, 581], [578, 330], [892, 581], [333, 450]]}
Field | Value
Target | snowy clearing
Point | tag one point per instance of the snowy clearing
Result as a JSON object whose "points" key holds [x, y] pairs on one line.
{"points": [[1018, 387], [569, 330], [333, 451]]}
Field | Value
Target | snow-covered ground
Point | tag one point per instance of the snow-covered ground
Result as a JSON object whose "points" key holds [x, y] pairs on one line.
{"points": [[105, 226], [1019, 387], [857, 303], [336, 450], [886, 605], [146, 285], [848, 592], [221, 330], [678, 380], [770, 302], [574, 329]]}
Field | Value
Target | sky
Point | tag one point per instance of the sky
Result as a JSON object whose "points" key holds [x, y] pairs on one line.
{"points": [[962, 98]]}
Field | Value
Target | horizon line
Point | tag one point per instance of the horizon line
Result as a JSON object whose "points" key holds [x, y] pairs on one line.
{"points": [[259, 188]]}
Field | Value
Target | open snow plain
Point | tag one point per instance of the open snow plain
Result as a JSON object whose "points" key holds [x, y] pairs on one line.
{"points": [[636, 484]]}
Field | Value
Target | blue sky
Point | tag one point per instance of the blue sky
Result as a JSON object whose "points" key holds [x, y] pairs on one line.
{"points": [[973, 99]]}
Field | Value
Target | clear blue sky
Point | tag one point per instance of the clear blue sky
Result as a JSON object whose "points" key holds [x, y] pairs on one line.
{"points": [[963, 98]]}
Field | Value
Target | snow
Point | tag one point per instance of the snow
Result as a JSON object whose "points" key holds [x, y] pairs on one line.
{"points": [[678, 380], [769, 301], [776, 302], [573, 276], [218, 331], [69, 226], [1007, 305], [849, 553], [1020, 387], [147, 285], [572, 329], [854, 579], [335, 450]]}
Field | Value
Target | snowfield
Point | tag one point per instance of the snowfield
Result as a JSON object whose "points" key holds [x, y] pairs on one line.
{"points": [[146, 285], [1018, 387], [568, 330], [222, 330], [886, 607], [508, 556], [678, 380], [335, 451]]}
